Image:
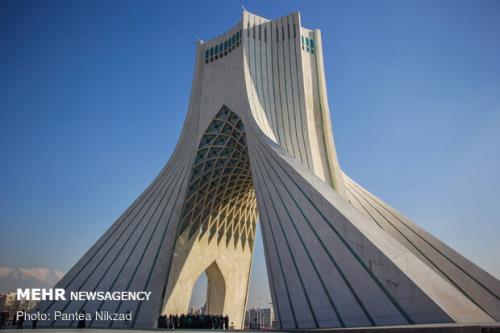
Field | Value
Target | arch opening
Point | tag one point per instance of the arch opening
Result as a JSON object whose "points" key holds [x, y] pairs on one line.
{"points": [[209, 292], [198, 301]]}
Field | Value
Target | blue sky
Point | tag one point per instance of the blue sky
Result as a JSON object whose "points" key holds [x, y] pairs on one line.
{"points": [[93, 96]]}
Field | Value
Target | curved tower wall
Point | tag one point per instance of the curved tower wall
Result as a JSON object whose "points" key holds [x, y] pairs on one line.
{"points": [[287, 91]]}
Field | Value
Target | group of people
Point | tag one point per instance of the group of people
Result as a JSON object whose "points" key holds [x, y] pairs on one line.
{"points": [[204, 321]]}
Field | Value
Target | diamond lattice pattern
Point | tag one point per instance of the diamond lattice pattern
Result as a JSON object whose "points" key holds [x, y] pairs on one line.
{"points": [[221, 198]]}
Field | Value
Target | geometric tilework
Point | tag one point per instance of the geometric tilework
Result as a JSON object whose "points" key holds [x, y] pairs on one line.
{"points": [[221, 197]]}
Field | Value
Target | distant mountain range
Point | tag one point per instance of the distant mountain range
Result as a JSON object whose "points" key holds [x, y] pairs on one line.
{"points": [[13, 278]]}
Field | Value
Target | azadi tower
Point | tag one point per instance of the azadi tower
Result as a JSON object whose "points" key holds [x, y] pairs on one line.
{"points": [[257, 144]]}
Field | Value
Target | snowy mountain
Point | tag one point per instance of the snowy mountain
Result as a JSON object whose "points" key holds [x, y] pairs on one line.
{"points": [[13, 278]]}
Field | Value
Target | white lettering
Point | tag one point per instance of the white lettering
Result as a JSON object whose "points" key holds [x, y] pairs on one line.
{"points": [[110, 295], [41, 294], [59, 294], [47, 294], [23, 294], [35, 294]]}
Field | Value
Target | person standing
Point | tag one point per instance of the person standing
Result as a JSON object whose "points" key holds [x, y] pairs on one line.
{"points": [[81, 319], [20, 321], [34, 323], [127, 323], [3, 319]]}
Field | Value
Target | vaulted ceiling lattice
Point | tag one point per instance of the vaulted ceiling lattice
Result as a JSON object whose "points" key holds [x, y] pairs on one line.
{"points": [[221, 198]]}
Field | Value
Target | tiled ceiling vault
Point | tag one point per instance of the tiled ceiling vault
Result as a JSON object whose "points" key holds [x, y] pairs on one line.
{"points": [[221, 198]]}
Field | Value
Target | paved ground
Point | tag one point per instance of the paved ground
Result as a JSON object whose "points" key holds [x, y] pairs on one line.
{"points": [[434, 328]]}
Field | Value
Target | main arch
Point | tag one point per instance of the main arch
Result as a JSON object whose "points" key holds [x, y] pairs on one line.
{"points": [[257, 141], [217, 223]]}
